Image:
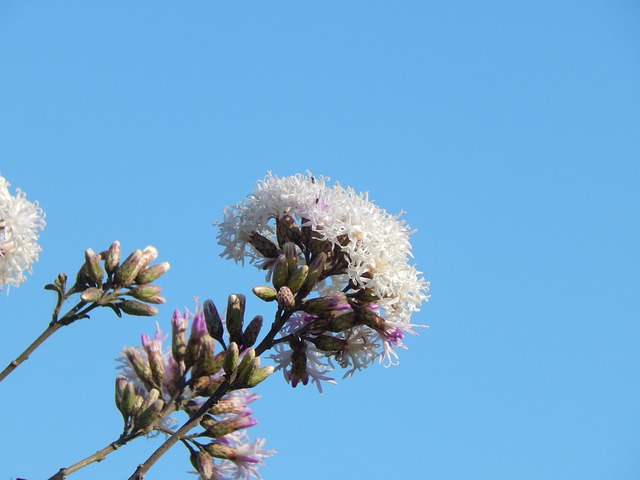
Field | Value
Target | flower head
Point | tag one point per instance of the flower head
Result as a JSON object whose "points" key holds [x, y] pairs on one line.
{"points": [[20, 221], [357, 255]]}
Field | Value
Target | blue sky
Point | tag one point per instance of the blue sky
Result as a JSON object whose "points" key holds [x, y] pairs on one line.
{"points": [[508, 132]]}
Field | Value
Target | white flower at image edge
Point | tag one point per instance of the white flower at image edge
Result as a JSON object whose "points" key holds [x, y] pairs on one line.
{"points": [[20, 221]]}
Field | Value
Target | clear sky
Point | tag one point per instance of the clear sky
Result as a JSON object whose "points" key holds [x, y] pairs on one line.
{"points": [[508, 132]]}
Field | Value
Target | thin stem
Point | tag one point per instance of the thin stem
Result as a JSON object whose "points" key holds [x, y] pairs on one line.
{"points": [[181, 432], [71, 316], [96, 457], [122, 440], [50, 330]]}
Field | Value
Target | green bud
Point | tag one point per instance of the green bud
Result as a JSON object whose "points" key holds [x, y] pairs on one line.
{"points": [[148, 293], [94, 269], [205, 362], [280, 272], [152, 273], [252, 331], [259, 375], [133, 307], [287, 230], [265, 292], [156, 365], [121, 386], [328, 343], [126, 273], [148, 415], [235, 316], [140, 366], [263, 245], [342, 322], [220, 450], [370, 319], [231, 358], [247, 372], [91, 295], [316, 269], [248, 357], [290, 251], [320, 305], [298, 278], [286, 299]]}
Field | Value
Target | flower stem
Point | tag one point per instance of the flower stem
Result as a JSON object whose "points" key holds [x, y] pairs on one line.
{"points": [[143, 468], [96, 457], [50, 330]]}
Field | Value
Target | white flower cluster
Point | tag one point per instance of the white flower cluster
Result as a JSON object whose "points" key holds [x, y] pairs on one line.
{"points": [[374, 243], [20, 221]]}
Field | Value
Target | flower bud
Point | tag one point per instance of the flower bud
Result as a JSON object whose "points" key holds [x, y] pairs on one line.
{"points": [[328, 343], [342, 322], [246, 371], [370, 319], [149, 254], [247, 358], [219, 428], [112, 258], [126, 273], [128, 400], [202, 462], [178, 335], [258, 375], [148, 415], [152, 273], [297, 279], [198, 331], [252, 331], [320, 305], [94, 269], [91, 295], [231, 358], [148, 293], [235, 316], [298, 368], [280, 272], [287, 230], [220, 450], [133, 307], [316, 269], [286, 299], [265, 292], [206, 362], [140, 366], [213, 321], [121, 386], [206, 386], [263, 245], [290, 251]]}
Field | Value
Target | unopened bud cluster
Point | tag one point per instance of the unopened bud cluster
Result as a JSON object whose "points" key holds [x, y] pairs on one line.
{"points": [[189, 371], [122, 285]]}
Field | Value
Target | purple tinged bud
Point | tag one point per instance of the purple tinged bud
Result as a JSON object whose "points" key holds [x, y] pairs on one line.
{"points": [[198, 330], [149, 254], [140, 366], [325, 305], [286, 299], [179, 325], [263, 245], [202, 462]]}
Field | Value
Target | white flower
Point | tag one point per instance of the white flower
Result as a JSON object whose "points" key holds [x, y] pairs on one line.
{"points": [[374, 243], [20, 221], [378, 249]]}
